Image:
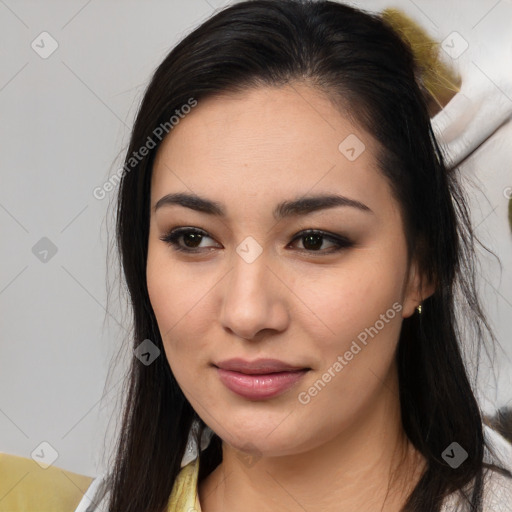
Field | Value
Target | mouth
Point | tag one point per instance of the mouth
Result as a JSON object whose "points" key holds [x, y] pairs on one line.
{"points": [[261, 379], [259, 366]]}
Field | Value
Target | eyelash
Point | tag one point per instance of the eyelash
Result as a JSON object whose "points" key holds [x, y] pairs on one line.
{"points": [[340, 242]]}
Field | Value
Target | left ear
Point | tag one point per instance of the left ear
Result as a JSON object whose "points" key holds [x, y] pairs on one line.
{"points": [[417, 289]]}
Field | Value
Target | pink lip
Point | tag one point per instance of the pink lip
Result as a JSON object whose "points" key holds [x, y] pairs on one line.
{"points": [[260, 379]]}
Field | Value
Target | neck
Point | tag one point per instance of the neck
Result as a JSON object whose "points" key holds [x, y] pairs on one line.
{"points": [[370, 465]]}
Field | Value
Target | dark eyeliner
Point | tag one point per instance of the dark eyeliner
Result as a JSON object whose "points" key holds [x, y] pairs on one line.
{"points": [[173, 236], [340, 242]]}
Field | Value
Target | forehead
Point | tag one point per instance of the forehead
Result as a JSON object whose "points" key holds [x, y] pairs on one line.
{"points": [[268, 142]]}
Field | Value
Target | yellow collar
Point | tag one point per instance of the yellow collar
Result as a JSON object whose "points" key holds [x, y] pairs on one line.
{"points": [[184, 495]]}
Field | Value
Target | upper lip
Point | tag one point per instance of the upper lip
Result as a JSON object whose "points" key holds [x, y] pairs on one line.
{"points": [[258, 366]]}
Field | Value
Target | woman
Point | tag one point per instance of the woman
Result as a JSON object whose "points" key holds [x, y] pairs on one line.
{"points": [[329, 377]]}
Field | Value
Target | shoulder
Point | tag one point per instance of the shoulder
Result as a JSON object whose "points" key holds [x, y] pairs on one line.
{"points": [[502, 447], [183, 498], [497, 494], [26, 487], [498, 487]]}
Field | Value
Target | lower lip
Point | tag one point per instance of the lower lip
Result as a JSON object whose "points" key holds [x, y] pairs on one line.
{"points": [[259, 387]]}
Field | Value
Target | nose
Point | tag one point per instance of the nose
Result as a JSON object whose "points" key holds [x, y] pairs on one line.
{"points": [[254, 300]]}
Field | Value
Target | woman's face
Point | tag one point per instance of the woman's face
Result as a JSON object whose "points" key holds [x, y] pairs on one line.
{"points": [[253, 287]]}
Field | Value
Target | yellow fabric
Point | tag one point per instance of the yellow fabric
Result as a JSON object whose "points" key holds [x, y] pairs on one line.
{"points": [[27, 487], [184, 497]]}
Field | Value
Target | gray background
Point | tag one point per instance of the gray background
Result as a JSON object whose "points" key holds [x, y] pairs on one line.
{"points": [[65, 121]]}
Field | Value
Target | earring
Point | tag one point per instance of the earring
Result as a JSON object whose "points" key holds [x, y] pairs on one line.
{"points": [[418, 309]]}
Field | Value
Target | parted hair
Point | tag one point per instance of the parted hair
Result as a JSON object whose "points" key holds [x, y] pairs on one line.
{"points": [[369, 71]]}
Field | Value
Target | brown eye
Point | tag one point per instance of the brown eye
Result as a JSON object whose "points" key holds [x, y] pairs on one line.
{"points": [[189, 239], [313, 240], [192, 237]]}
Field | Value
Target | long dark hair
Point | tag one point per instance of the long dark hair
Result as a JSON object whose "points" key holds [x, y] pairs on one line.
{"points": [[370, 73]]}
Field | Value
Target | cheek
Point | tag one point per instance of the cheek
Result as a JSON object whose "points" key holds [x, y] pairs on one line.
{"points": [[343, 302], [162, 286], [173, 289], [362, 312], [179, 296]]}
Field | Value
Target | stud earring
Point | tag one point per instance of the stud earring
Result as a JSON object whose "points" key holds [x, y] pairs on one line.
{"points": [[418, 309]]}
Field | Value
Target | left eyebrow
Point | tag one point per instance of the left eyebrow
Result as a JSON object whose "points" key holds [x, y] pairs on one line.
{"points": [[310, 204], [292, 208]]}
